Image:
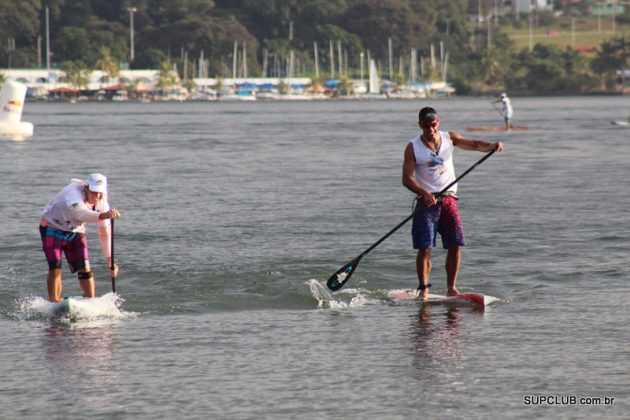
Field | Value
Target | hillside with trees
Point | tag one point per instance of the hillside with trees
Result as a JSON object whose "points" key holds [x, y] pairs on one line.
{"points": [[476, 48]]}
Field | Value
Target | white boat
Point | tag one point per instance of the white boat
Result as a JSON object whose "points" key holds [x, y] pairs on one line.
{"points": [[295, 96], [120, 96], [374, 87], [205, 94], [439, 89], [12, 96], [239, 95], [410, 91], [268, 94]]}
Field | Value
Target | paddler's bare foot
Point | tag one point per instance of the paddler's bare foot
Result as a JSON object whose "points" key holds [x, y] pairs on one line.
{"points": [[423, 292], [452, 292]]}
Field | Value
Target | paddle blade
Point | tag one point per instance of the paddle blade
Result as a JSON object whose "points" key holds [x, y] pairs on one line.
{"points": [[337, 280]]}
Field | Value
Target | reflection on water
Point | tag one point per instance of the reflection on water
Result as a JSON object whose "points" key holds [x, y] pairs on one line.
{"points": [[435, 334], [82, 359]]}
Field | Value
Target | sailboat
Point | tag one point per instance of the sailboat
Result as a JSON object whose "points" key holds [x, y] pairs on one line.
{"points": [[374, 91]]}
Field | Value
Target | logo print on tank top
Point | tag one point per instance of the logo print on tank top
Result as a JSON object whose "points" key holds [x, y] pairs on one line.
{"points": [[436, 164]]}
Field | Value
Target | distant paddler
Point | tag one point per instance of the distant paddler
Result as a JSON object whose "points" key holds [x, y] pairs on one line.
{"points": [[62, 229], [506, 110]]}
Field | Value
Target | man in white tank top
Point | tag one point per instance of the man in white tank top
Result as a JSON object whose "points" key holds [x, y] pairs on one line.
{"points": [[428, 169]]}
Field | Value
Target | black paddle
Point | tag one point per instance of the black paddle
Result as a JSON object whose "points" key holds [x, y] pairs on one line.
{"points": [[337, 280], [112, 257]]}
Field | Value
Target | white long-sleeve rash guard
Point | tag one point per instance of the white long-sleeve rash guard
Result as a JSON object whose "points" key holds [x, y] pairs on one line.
{"points": [[69, 212]]}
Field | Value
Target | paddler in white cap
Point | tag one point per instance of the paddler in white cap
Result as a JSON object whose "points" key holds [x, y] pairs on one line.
{"points": [[506, 110], [62, 229]]}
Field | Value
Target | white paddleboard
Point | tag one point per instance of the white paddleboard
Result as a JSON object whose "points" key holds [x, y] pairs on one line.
{"points": [[464, 299], [621, 123], [64, 307], [80, 308]]}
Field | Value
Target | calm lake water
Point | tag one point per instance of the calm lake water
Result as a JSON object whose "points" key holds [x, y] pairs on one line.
{"points": [[234, 213]]}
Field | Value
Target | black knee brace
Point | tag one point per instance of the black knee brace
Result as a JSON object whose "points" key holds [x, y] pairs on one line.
{"points": [[85, 276]]}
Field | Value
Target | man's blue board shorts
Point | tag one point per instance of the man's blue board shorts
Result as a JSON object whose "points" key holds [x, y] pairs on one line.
{"points": [[442, 218]]}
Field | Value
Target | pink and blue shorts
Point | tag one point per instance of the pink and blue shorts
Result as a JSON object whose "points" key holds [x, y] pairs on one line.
{"points": [[442, 218], [73, 245]]}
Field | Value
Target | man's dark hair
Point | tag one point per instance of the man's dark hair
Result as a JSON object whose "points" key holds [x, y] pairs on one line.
{"points": [[427, 114]]}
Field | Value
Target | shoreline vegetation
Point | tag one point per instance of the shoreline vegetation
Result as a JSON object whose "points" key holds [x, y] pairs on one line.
{"points": [[312, 49], [261, 93]]}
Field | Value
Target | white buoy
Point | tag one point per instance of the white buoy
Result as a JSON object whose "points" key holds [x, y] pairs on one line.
{"points": [[12, 97]]}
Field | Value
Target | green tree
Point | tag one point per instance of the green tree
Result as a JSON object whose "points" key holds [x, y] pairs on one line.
{"points": [[324, 33], [76, 73], [283, 87], [548, 69], [344, 86], [168, 78], [613, 55], [491, 68], [19, 21], [107, 64], [374, 21], [133, 87], [73, 44], [214, 36], [149, 58], [160, 12]]}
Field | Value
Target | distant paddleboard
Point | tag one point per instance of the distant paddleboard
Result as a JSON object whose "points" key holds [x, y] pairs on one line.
{"points": [[621, 123], [464, 299], [496, 129]]}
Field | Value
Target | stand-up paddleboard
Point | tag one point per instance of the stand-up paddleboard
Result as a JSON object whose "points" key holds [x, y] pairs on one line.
{"points": [[80, 308], [65, 307], [621, 123], [496, 129], [463, 299]]}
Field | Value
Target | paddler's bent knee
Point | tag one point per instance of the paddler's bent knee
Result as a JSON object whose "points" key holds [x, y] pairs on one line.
{"points": [[85, 275]]}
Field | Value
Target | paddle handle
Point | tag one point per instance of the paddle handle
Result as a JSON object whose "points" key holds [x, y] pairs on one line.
{"points": [[113, 264]]}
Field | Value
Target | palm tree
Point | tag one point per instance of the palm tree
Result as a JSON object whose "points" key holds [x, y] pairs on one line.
{"points": [[345, 86], [432, 74], [167, 76], [75, 73], [133, 87], [108, 64], [283, 87]]}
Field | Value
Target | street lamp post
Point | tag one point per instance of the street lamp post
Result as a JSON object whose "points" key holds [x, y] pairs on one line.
{"points": [[47, 44], [131, 11]]}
